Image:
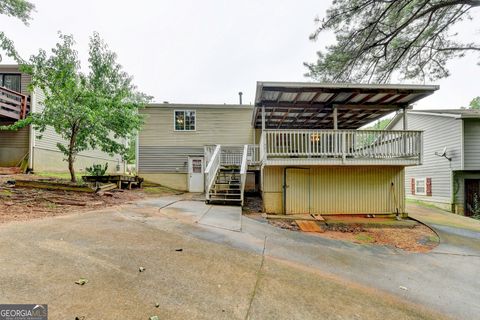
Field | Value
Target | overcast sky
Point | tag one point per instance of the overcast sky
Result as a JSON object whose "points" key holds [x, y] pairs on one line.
{"points": [[207, 51]]}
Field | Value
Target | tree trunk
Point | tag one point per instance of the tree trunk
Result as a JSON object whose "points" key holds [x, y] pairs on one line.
{"points": [[73, 178], [71, 153]]}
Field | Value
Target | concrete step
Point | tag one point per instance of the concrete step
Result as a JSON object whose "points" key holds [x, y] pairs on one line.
{"points": [[225, 196], [226, 191]]}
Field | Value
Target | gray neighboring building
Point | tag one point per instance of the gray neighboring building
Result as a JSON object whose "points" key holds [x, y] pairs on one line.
{"points": [[449, 179]]}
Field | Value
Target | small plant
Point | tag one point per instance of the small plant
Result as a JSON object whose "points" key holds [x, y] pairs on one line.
{"points": [[97, 169], [475, 207]]}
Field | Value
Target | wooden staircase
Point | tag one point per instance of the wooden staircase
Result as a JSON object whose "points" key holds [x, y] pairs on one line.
{"points": [[226, 174], [227, 187]]}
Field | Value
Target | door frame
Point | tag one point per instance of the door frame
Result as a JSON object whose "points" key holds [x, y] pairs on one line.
{"points": [[189, 173], [284, 187]]}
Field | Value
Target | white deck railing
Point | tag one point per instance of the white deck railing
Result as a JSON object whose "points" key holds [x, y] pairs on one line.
{"points": [[243, 171], [212, 169], [253, 154], [341, 144], [231, 155]]}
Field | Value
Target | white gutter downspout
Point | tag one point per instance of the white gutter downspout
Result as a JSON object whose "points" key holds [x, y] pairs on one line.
{"points": [[31, 134]]}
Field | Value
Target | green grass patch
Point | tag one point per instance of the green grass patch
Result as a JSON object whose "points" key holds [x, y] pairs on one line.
{"points": [[364, 238], [425, 204], [61, 175], [154, 190]]}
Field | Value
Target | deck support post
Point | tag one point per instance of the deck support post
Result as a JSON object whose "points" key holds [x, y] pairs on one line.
{"points": [[263, 118], [335, 118], [405, 127], [335, 127]]}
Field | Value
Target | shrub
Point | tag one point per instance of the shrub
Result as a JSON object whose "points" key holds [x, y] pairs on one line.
{"points": [[97, 169]]}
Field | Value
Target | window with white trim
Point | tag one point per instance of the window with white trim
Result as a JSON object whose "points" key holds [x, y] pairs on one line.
{"points": [[421, 186], [185, 120]]}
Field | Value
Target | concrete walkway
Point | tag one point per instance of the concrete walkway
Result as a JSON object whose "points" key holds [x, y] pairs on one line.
{"points": [[223, 217], [203, 272], [458, 234]]}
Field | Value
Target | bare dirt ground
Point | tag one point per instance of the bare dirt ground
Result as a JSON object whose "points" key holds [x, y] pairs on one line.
{"points": [[20, 204], [417, 238]]}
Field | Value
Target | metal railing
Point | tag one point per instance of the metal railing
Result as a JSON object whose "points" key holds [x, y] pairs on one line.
{"points": [[341, 144]]}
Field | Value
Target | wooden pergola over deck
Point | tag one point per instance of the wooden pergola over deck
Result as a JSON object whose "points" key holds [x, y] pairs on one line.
{"points": [[306, 105]]}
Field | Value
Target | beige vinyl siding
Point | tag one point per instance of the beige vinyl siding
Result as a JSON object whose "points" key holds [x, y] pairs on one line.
{"points": [[228, 125], [13, 146], [335, 190], [471, 131], [439, 132], [158, 159], [163, 152]]}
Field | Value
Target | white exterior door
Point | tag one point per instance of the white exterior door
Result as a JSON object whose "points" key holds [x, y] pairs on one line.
{"points": [[195, 174]]}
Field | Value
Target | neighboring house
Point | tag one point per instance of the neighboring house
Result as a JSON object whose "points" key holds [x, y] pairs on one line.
{"points": [[22, 145], [300, 143], [449, 176]]}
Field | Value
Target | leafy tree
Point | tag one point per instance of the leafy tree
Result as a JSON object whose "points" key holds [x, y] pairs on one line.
{"points": [[90, 110], [375, 38], [379, 125], [20, 9], [475, 103], [132, 150]]}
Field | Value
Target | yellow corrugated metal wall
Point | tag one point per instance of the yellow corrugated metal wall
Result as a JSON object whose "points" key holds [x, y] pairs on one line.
{"points": [[298, 190], [335, 190]]}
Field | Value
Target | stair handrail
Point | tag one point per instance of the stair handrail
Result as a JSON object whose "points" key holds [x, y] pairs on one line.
{"points": [[212, 169], [243, 171]]}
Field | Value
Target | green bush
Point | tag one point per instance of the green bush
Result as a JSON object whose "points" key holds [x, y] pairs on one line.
{"points": [[97, 169]]}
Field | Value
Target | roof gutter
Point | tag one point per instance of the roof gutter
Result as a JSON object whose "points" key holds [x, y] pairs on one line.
{"points": [[456, 116]]}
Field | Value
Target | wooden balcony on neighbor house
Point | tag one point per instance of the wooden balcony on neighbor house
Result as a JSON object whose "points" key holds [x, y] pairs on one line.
{"points": [[13, 105], [340, 147]]}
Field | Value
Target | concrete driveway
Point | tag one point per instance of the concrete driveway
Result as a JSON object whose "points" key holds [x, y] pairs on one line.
{"points": [[260, 272]]}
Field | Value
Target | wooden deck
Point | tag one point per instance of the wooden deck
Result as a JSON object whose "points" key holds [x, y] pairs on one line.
{"points": [[340, 147], [119, 180]]}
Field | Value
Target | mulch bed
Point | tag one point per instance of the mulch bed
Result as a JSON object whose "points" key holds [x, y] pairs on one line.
{"points": [[415, 238]]}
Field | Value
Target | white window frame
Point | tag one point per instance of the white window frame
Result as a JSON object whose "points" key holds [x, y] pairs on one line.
{"points": [[184, 111], [424, 193]]}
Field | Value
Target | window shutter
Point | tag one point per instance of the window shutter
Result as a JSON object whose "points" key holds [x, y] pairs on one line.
{"points": [[412, 185], [429, 186]]}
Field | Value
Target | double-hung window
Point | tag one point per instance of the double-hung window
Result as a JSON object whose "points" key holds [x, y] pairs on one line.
{"points": [[421, 186], [185, 120]]}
